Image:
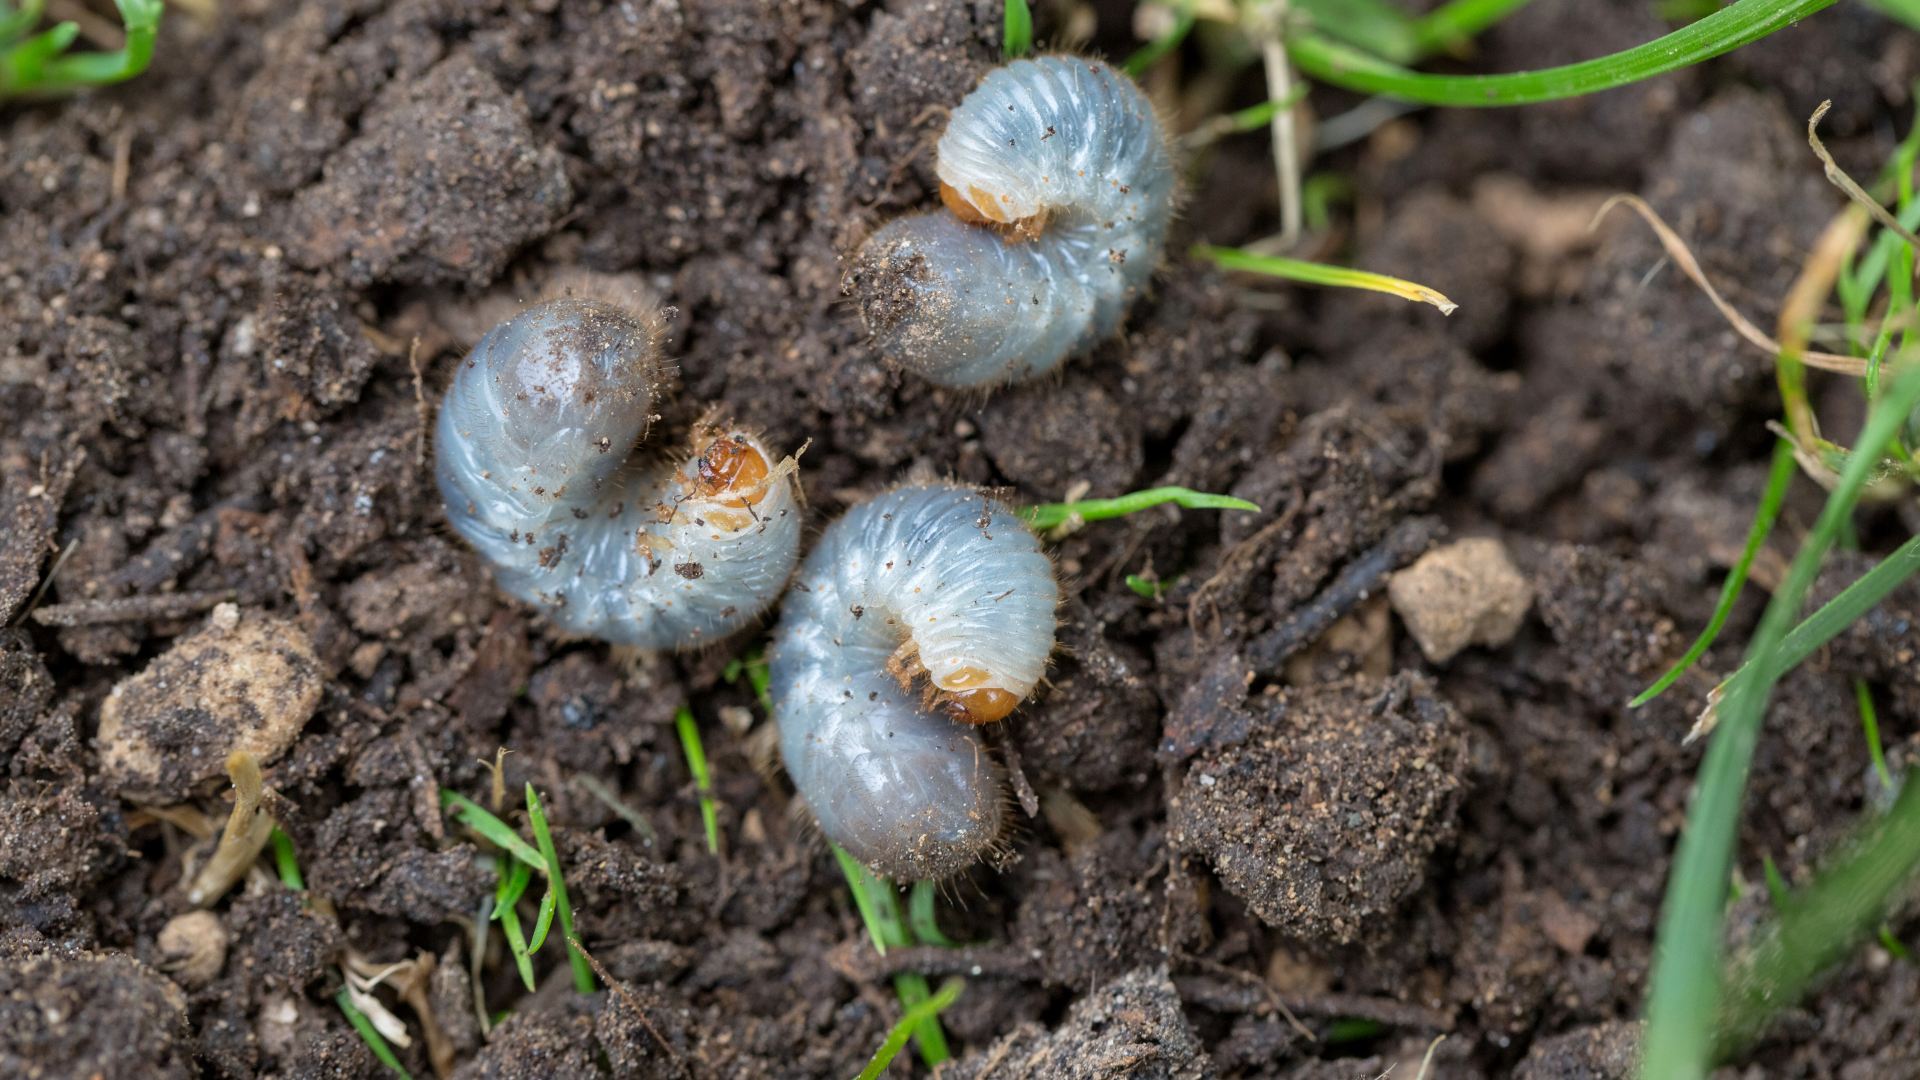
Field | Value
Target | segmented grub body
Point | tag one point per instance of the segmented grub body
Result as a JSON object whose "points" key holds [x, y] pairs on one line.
{"points": [[1059, 187], [535, 459], [920, 615]]}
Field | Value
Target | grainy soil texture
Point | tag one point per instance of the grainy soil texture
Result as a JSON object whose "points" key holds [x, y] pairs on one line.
{"points": [[1275, 826]]}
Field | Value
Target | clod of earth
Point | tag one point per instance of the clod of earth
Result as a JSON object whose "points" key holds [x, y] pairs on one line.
{"points": [[246, 681], [1467, 593], [1325, 818]]}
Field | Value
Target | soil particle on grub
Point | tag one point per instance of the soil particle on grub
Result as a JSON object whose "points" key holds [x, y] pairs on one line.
{"points": [[1325, 819], [1467, 593], [69, 1012], [1131, 1027], [244, 682], [444, 183]]}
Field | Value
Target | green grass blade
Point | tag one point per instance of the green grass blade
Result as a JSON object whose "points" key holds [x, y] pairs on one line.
{"points": [[909, 1022], [141, 19], [1685, 996], [516, 942], [1153, 51], [1870, 729], [921, 917], [14, 23], [1778, 479], [537, 817], [1049, 515], [499, 833], [1016, 35], [369, 1034], [1844, 609], [1453, 24], [544, 923], [1723, 31], [1907, 11], [1312, 273], [863, 885], [702, 779], [1777, 891], [1376, 26], [284, 861], [510, 887], [1821, 924]]}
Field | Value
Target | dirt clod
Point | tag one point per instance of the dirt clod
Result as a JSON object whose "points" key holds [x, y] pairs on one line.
{"points": [[69, 1012], [1467, 593], [1325, 819], [193, 947], [246, 687], [1131, 1027]]}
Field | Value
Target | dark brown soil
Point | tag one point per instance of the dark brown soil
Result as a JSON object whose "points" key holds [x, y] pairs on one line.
{"points": [[231, 292]]}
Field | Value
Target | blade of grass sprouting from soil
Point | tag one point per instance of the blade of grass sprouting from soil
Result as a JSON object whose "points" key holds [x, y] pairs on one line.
{"points": [[857, 877], [1892, 944], [1843, 610], [1453, 24], [1049, 515], [1870, 729], [1685, 994], [43, 67], [512, 885], [1312, 273], [702, 779], [499, 833], [1251, 118], [544, 923], [285, 863], [1016, 33], [880, 910], [1778, 479], [537, 817], [1151, 53], [369, 1034], [1818, 926], [15, 24], [915, 1017], [1723, 31], [1378, 27], [1777, 891], [1907, 11], [921, 918]]}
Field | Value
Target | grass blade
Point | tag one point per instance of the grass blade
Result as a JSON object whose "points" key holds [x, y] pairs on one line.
{"points": [[702, 779], [920, 916], [1016, 34], [544, 923], [1151, 53], [582, 973], [284, 862], [370, 1034], [481, 820], [1049, 515], [1818, 926], [1453, 24], [1723, 31], [859, 883], [1778, 478], [1312, 273], [915, 1016], [1683, 1003], [1870, 729]]}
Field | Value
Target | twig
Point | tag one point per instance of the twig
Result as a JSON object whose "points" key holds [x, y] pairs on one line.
{"points": [[620, 990], [124, 609], [1360, 579]]}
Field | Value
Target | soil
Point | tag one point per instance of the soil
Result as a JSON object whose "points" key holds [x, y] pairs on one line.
{"points": [[1267, 836]]}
